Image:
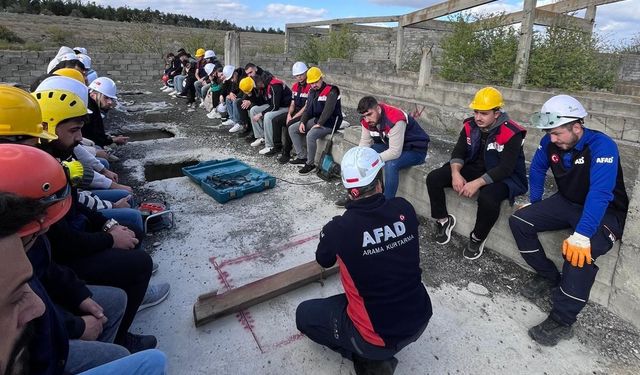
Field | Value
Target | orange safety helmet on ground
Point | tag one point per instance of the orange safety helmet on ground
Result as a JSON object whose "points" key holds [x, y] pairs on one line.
{"points": [[48, 183], [20, 114]]}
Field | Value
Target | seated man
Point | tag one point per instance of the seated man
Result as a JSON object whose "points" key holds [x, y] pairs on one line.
{"points": [[398, 138], [278, 98], [488, 160], [375, 242], [322, 115], [591, 201]]}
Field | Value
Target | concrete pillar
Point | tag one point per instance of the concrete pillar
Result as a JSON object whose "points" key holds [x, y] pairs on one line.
{"points": [[232, 48], [590, 15], [524, 47], [287, 40], [424, 77], [624, 299], [399, 47]]}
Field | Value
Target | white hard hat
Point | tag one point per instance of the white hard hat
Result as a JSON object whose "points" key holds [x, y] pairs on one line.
{"points": [[227, 71], [66, 84], [105, 86], [63, 51], [85, 60], [221, 108], [557, 111], [360, 166], [209, 53], [299, 68], [209, 68], [82, 50], [68, 57]]}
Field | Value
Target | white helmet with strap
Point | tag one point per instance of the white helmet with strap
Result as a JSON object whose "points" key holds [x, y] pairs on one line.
{"points": [[299, 68], [105, 86], [557, 111], [360, 166]]}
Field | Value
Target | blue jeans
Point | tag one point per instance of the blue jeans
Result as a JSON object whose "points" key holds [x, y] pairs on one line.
{"points": [[129, 217], [84, 355], [325, 321], [146, 362], [178, 83], [392, 167], [232, 110], [104, 162]]}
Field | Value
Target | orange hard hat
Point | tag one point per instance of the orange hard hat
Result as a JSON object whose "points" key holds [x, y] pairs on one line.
{"points": [[29, 172]]}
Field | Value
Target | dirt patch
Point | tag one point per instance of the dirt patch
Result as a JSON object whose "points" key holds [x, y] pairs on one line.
{"points": [[161, 171], [146, 135]]}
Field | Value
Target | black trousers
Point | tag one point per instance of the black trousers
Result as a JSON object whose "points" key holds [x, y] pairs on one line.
{"points": [[129, 270], [243, 114], [554, 213], [490, 198], [282, 138], [189, 88]]}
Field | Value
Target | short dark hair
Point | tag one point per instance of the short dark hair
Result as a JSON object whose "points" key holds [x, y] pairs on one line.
{"points": [[366, 103], [16, 212], [250, 65]]}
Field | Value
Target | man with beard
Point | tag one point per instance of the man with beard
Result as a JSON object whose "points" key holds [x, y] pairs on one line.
{"points": [[591, 201]]}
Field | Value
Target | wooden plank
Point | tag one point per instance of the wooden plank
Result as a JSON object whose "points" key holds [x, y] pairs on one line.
{"points": [[542, 18], [211, 306], [341, 21], [573, 5], [439, 10]]}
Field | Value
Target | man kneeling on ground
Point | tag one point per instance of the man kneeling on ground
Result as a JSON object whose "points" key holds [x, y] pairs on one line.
{"points": [[385, 306]]}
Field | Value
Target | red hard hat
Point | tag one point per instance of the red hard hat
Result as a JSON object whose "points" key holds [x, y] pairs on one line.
{"points": [[29, 172]]}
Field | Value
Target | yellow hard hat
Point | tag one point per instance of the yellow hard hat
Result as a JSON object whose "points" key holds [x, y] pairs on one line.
{"points": [[247, 84], [59, 105], [71, 73], [487, 98], [20, 114], [200, 52], [314, 74]]}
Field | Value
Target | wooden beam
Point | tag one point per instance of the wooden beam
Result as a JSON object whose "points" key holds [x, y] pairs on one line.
{"points": [[211, 306], [542, 18], [341, 21], [573, 5], [439, 10], [432, 25]]}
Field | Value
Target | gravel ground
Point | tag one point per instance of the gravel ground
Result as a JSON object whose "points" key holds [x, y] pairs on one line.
{"points": [[617, 341]]}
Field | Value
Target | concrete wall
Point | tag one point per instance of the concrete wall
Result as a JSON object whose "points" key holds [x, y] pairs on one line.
{"points": [[630, 69]]}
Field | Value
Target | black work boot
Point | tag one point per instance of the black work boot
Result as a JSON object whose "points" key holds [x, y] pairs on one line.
{"points": [[537, 287], [364, 366], [550, 332]]}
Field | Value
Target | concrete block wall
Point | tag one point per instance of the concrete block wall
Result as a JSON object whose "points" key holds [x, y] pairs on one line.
{"points": [[630, 69]]}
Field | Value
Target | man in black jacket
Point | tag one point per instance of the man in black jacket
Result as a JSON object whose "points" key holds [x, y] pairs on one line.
{"points": [[375, 243]]}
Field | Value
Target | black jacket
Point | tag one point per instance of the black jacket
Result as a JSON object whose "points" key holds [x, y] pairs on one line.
{"points": [[94, 128]]}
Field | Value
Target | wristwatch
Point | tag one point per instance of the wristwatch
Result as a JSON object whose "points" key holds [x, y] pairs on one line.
{"points": [[109, 224]]}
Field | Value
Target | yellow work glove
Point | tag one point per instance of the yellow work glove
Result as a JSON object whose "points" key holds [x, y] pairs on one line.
{"points": [[576, 249], [76, 171]]}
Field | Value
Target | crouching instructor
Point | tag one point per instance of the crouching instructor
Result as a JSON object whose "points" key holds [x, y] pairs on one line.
{"points": [[375, 242]]}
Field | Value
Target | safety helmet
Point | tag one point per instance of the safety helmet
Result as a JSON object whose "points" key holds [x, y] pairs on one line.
{"points": [[65, 83], [68, 57], [314, 74], [299, 68], [82, 50], [71, 73], [85, 60], [49, 184], [63, 51], [559, 110], [105, 86], [59, 105], [209, 54], [209, 68], [487, 98], [360, 166], [227, 71], [200, 52], [20, 114], [247, 84]]}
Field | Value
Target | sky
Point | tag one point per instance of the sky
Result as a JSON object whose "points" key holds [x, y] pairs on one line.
{"points": [[615, 22]]}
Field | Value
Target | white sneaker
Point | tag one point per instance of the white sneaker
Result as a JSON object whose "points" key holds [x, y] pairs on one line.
{"points": [[162, 88], [228, 122], [236, 128], [214, 114], [265, 150], [167, 89], [201, 105], [257, 142]]}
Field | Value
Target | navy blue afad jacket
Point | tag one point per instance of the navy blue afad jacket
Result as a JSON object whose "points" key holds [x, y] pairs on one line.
{"points": [[590, 175], [376, 245]]}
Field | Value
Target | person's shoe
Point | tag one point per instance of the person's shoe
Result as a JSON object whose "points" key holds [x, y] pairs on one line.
{"points": [[342, 201], [180, 95], [137, 343], [155, 294], [235, 128], [443, 234], [284, 159], [154, 268], [474, 248], [364, 366], [201, 105], [229, 122], [537, 287], [308, 168], [265, 151], [550, 332], [214, 114], [273, 151], [257, 142], [298, 161]]}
